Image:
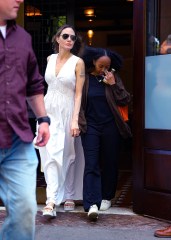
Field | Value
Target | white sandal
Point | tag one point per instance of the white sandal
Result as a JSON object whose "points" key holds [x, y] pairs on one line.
{"points": [[69, 205], [49, 211]]}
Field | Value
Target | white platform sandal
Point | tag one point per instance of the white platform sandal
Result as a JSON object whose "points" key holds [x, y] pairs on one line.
{"points": [[49, 211], [69, 205]]}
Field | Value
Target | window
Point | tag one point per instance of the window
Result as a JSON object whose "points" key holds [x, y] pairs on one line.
{"points": [[42, 19]]}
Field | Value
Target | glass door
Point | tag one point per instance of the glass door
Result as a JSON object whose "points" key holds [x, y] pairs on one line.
{"points": [[152, 108], [157, 65]]}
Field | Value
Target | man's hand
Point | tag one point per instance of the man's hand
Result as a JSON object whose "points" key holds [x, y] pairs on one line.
{"points": [[43, 135]]}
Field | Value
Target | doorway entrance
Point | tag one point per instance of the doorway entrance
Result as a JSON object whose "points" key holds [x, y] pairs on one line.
{"points": [[111, 25]]}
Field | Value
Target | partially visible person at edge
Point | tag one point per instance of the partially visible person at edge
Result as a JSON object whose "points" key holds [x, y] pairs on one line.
{"points": [[20, 82], [166, 46], [102, 127], [163, 233], [62, 158]]}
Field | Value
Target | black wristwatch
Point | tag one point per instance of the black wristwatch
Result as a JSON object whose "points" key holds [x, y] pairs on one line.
{"points": [[43, 119]]}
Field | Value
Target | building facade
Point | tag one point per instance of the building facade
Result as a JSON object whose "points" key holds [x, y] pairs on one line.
{"points": [[140, 31]]}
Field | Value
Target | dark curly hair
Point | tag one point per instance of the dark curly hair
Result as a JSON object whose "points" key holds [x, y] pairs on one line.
{"points": [[91, 53], [78, 45]]}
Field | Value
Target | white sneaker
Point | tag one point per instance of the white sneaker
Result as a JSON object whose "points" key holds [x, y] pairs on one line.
{"points": [[93, 213], [105, 205]]}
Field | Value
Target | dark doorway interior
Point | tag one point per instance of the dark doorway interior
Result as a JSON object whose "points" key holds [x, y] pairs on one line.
{"points": [[112, 26]]}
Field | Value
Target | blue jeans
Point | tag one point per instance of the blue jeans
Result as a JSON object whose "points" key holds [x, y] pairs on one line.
{"points": [[18, 166]]}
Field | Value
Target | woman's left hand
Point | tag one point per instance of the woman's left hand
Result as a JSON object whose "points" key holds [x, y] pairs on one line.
{"points": [[75, 131]]}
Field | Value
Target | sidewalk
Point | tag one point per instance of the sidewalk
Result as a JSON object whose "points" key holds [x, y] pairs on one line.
{"points": [[117, 223], [113, 224]]}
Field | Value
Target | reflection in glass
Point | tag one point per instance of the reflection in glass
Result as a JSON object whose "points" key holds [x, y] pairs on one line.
{"points": [[158, 92]]}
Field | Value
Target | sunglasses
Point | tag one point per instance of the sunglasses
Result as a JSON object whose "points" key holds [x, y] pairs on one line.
{"points": [[66, 36]]}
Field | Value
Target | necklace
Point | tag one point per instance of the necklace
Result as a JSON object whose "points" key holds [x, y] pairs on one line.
{"points": [[99, 78]]}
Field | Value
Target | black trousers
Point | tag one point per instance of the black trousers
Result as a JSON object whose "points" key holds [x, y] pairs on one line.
{"points": [[101, 145]]}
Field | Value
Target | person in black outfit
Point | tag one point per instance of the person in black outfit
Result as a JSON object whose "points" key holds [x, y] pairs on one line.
{"points": [[102, 127]]}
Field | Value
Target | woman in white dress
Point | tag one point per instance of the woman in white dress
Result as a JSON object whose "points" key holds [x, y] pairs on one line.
{"points": [[62, 159]]}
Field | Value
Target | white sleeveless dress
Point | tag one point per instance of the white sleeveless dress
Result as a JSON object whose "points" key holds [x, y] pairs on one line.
{"points": [[62, 158]]}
